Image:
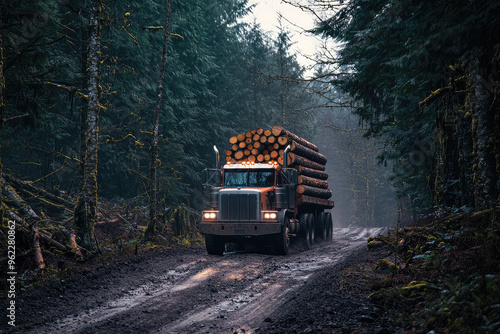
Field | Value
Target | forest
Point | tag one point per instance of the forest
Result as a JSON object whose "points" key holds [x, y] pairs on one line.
{"points": [[109, 110]]}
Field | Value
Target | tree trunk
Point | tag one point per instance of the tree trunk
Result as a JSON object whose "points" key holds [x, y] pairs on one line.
{"points": [[86, 206], [2, 79], [486, 179], [153, 165]]}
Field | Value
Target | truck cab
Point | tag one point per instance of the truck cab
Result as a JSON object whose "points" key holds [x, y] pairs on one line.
{"points": [[249, 200]]}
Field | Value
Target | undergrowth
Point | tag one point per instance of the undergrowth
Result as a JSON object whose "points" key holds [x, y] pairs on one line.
{"points": [[442, 277]]}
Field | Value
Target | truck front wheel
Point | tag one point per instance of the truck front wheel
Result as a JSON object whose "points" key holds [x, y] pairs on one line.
{"points": [[215, 244], [283, 241]]}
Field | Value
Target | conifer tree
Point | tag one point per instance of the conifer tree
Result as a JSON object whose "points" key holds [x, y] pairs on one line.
{"points": [[424, 74], [86, 207], [155, 158]]}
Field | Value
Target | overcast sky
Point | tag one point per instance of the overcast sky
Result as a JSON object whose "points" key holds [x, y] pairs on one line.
{"points": [[296, 21]]}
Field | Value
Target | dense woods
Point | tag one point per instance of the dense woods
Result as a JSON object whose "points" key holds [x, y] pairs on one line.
{"points": [[425, 77], [82, 86], [109, 111], [86, 110]]}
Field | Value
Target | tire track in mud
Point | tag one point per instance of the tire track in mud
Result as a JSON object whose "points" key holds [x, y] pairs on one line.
{"points": [[209, 294]]}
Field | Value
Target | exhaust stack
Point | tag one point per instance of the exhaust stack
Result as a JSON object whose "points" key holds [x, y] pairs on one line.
{"points": [[285, 157], [216, 157]]}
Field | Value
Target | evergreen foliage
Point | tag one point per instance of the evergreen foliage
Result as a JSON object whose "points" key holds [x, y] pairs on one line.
{"points": [[426, 75], [222, 76]]}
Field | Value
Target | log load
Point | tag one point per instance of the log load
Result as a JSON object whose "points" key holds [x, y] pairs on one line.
{"points": [[308, 153], [310, 181], [297, 160], [279, 131], [261, 146], [317, 174], [313, 191]]}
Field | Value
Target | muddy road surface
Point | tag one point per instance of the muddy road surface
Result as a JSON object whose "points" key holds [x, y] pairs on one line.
{"points": [[184, 291]]}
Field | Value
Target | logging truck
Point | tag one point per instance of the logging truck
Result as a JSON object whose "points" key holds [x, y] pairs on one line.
{"points": [[272, 200]]}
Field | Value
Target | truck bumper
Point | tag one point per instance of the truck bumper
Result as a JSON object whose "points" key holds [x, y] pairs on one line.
{"points": [[240, 229]]}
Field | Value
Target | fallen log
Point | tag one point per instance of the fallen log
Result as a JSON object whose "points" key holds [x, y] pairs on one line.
{"points": [[313, 191], [38, 191], [294, 159], [311, 172], [306, 152], [310, 181], [26, 227], [279, 131], [13, 197], [37, 250]]}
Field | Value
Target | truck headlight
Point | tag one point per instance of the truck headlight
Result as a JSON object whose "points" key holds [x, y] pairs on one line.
{"points": [[210, 215], [270, 215]]}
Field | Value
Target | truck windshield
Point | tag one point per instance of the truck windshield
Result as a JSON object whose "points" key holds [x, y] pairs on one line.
{"points": [[249, 178]]}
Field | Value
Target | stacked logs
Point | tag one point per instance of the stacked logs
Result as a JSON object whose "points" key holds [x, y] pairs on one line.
{"points": [[262, 146]]}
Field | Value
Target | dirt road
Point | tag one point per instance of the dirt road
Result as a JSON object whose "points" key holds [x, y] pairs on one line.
{"points": [[185, 291]]}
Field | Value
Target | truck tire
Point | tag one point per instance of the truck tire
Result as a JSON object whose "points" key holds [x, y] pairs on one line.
{"points": [[283, 241], [322, 226], [215, 244], [304, 223], [329, 226], [312, 229]]}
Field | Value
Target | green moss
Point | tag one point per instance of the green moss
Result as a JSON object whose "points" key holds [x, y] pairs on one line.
{"points": [[375, 244], [419, 289], [385, 265]]}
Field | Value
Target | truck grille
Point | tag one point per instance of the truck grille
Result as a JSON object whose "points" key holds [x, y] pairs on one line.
{"points": [[242, 205]]}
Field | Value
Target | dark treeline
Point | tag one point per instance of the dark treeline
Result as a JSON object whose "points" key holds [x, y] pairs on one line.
{"points": [[221, 76], [424, 76]]}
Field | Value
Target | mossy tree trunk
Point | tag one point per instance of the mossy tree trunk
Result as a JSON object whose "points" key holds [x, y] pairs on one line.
{"points": [[484, 135], [155, 158], [2, 78], [2, 209], [86, 206]]}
